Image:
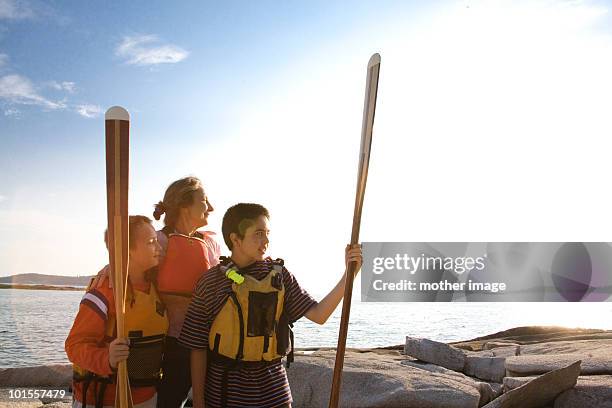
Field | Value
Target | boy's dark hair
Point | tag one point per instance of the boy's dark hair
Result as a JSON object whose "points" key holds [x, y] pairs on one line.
{"points": [[239, 218]]}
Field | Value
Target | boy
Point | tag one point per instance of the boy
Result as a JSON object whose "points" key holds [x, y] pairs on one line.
{"points": [[237, 325], [91, 344]]}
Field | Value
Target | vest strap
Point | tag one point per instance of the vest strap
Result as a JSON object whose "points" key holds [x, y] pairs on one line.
{"points": [[240, 354], [266, 344], [100, 396]]}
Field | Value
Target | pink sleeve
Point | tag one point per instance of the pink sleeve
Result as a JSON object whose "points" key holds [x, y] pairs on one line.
{"points": [[163, 242], [214, 250]]}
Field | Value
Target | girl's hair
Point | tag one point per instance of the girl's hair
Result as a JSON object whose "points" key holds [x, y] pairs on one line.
{"points": [[178, 195], [134, 221]]}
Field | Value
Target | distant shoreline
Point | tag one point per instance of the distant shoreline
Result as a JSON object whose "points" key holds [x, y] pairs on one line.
{"points": [[39, 287], [49, 282]]}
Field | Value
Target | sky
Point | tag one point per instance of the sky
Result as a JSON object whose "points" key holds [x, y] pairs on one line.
{"points": [[492, 124]]}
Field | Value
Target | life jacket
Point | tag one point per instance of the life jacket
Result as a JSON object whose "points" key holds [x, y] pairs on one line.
{"points": [[252, 326], [145, 324], [183, 264]]}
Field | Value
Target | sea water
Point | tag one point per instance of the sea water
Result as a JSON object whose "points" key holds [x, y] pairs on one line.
{"points": [[35, 323]]}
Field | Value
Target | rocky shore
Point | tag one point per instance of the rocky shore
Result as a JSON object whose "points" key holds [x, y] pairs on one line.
{"points": [[526, 367]]}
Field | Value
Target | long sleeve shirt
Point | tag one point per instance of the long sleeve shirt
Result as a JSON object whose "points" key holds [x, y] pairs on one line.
{"points": [[87, 344]]}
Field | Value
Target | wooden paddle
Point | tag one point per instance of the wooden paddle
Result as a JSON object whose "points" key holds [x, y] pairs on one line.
{"points": [[117, 173], [362, 176]]}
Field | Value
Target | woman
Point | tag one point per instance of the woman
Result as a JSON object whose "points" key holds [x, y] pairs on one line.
{"points": [[186, 255]]}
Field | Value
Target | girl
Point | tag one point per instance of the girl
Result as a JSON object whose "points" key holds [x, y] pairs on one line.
{"points": [[92, 345]]}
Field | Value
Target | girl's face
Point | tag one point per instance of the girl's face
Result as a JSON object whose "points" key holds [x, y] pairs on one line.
{"points": [[145, 251], [197, 212]]}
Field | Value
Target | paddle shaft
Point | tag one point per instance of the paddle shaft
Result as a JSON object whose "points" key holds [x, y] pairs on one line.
{"points": [[362, 176], [117, 175]]}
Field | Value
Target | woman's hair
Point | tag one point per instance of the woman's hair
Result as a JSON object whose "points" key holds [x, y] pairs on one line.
{"points": [[178, 195], [134, 221]]}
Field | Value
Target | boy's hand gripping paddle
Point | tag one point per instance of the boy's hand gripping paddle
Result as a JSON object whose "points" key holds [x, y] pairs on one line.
{"points": [[362, 176], [117, 171]]}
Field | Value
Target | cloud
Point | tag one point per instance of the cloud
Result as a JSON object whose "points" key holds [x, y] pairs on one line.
{"points": [[149, 50], [15, 10], [18, 90], [89, 111], [12, 112], [63, 86], [2, 198]]}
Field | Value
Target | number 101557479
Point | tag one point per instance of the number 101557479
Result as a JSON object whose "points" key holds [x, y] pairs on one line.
{"points": [[25, 393]]}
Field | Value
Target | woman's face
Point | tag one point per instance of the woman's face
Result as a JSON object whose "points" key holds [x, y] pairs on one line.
{"points": [[145, 251], [198, 211]]}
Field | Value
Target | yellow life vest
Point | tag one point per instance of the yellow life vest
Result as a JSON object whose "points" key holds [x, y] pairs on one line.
{"points": [[145, 324], [247, 327]]}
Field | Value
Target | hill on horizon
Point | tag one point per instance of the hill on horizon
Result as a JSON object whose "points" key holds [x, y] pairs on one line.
{"points": [[40, 279]]}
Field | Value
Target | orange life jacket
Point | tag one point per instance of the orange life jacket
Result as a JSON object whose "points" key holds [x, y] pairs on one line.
{"points": [[185, 262]]}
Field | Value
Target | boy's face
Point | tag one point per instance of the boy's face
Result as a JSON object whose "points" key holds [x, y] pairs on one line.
{"points": [[146, 250], [255, 242]]}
